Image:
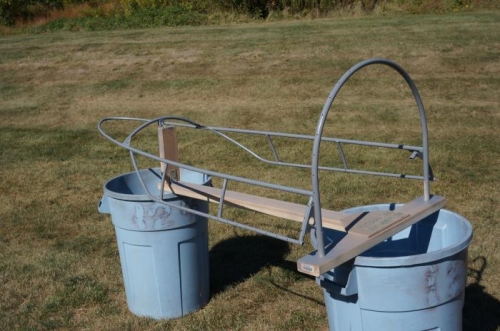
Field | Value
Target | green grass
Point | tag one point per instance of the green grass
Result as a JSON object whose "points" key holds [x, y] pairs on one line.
{"points": [[141, 18], [59, 265]]}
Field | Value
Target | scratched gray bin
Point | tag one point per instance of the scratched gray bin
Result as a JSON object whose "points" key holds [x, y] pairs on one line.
{"points": [[415, 280], [163, 251]]}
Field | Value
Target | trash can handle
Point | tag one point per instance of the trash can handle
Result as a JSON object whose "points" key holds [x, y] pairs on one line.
{"points": [[103, 206], [350, 288]]}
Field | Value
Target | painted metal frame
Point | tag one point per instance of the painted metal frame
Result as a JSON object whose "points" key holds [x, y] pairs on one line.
{"points": [[314, 204]]}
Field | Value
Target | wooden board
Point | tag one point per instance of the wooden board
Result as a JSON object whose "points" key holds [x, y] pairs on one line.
{"points": [[371, 223], [352, 245], [273, 207], [167, 143], [365, 225]]}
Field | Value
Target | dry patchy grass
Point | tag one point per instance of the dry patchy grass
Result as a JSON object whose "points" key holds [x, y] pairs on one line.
{"points": [[59, 267]]}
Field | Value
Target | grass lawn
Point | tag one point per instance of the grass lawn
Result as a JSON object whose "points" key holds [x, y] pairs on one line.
{"points": [[59, 265]]}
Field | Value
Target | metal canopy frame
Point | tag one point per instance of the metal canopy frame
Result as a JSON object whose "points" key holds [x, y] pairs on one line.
{"points": [[313, 208]]}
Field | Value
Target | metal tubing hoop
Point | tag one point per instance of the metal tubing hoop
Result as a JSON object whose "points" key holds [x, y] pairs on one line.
{"points": [[321, 124], [159, 199], [127, 146]]}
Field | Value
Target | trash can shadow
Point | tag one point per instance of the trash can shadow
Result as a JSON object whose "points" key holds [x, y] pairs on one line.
{"points": [[238, 258], [481, 310]]}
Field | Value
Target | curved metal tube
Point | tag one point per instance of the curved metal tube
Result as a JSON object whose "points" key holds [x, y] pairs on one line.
{"points": [[319, 133], [132, 151]]}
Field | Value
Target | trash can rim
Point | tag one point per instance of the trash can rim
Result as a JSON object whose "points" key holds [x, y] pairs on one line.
{"points": [[143, 196]]}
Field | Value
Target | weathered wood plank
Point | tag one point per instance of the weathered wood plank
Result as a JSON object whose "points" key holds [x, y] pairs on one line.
{"points": [[167, 143], [352, 245], [283, 209]]}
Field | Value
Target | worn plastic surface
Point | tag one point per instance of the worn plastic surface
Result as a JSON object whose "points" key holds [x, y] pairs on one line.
{"points": [[163, 251], [415, 280]]}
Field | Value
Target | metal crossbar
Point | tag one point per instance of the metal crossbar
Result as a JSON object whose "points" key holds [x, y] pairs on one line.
{"points": [[221, 131]]}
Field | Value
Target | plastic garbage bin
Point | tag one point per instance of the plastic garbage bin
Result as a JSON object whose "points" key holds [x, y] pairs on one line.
{"points": [[163, 250], [414, 280]]}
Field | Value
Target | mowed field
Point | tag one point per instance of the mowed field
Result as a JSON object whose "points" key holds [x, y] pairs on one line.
{"points": [[59, 264]]}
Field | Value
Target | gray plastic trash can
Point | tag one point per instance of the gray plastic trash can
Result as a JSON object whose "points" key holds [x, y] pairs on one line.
{"points": [[415, 280], [163, 251]]}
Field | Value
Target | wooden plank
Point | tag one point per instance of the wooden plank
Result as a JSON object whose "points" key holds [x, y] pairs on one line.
{"points": [[167, 143], [273, 207], [352, 245], [369, 224]]}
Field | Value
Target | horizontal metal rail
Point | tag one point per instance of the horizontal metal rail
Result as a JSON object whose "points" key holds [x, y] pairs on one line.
{"points": [[267, 134], [296, 136]]}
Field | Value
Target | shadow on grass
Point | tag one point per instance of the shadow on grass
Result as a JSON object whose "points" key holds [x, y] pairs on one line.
{"points": [[236, 259], [292, 267], [481, 310]]}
